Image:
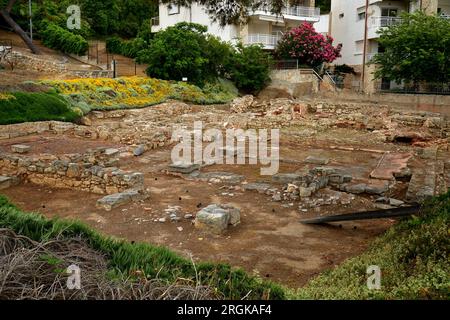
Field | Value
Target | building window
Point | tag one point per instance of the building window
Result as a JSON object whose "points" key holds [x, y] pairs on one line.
{"points": [[361, 13], [173, 9], [386, 12]]}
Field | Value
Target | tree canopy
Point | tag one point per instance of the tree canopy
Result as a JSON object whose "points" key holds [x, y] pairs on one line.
{"points": [[418, 49]]}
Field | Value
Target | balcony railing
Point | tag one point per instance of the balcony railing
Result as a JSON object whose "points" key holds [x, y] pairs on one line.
{"points": [[300, 11], [269, 41], [295, 11], [382, 22]]}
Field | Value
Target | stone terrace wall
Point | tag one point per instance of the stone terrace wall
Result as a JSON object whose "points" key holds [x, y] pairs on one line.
{"points": [[72, 173], [391, 98], [29, 62]]}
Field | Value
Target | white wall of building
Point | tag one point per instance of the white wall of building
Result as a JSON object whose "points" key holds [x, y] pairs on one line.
{"points": [[196, 14], [348, 22], [323, 26]]}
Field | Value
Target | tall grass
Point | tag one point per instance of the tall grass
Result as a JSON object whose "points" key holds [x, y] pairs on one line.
{"points": [[126, 257]]}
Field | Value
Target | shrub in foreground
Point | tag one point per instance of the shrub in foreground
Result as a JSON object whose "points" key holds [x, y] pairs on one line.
{"points": [[412, 256], [20, 107], [127, 258]]}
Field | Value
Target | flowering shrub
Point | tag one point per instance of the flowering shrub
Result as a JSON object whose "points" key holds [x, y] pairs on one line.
{"points": [[133, 92], [307, 46]]}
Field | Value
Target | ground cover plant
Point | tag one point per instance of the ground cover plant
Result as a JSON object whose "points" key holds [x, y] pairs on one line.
{"points": [[19, 107], [413, 257], [135, 92]]}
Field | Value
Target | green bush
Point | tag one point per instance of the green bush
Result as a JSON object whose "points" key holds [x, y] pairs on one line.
{"points": [[29, 107], [129, 48], [185, 50], [125, 257], [58, 38], [249, 68]]}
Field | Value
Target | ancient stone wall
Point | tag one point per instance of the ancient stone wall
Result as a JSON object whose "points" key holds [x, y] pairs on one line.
{"points": [[71, 171]]}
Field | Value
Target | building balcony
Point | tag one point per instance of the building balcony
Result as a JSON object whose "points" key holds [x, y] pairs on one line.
{"points": [[268, 41], [294, 13], [377, 23]]}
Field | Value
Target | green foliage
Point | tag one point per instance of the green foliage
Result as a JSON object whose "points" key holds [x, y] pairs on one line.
{"points": [[29, 107], [413, 257], [58, 38], [84, 95], [249, 68], [418, 49], [122, 17], [53, 12], [185, 50], [324, 5], [125, 257]]}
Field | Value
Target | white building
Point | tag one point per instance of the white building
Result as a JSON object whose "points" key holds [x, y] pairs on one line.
{"points": [[263, 27], [348, 24], [323, 26]]}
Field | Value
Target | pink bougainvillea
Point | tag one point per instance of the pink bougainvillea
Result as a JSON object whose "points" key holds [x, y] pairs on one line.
{"points": [[307, 46]]}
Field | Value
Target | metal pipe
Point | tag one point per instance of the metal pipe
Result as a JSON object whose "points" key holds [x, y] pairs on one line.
{"points": [[368, 215], [30, 12], [366, 18]]}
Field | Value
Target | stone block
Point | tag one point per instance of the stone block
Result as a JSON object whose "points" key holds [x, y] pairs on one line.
{"points": [[216, 217], [20, 148]]}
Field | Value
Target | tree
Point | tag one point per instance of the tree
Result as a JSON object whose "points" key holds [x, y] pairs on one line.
{"points": [[307, 46], [6, 15], [417, 49], [185, 51]]}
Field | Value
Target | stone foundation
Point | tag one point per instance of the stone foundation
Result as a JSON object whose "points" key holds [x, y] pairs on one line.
{"points": [[84, 176]]}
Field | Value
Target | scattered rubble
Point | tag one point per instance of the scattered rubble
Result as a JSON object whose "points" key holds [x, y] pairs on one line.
{"points": [[240, 105], [113, 201], [184, 168], [218, 177], [317, 160]]}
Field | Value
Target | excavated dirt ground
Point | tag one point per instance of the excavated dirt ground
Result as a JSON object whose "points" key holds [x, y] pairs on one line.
{"points": [[270, 241]]}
